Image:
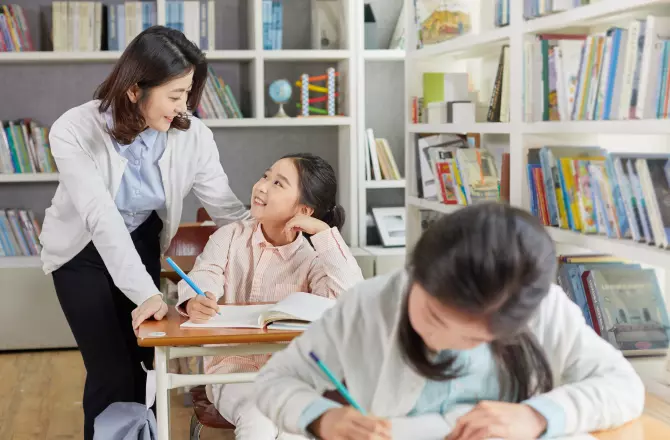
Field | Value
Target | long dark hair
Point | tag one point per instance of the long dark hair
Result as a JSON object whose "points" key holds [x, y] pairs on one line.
{"points": [[155, 56], [490, 260], [318, 188]]}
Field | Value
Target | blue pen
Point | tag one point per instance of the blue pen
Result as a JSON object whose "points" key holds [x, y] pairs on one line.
{"points": [[340, 387], [186, 278]]}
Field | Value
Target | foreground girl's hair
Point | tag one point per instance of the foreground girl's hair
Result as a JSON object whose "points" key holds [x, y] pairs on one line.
{"points": [[489, 260]]}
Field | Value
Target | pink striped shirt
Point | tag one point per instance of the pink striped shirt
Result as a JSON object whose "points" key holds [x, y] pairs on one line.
{"points": [[239, 265]]}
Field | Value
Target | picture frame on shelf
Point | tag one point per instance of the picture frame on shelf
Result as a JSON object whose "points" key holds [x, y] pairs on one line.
{"points": [[391, 225]]}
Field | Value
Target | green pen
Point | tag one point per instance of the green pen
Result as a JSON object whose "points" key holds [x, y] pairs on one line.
{"points": [[340, 387]]}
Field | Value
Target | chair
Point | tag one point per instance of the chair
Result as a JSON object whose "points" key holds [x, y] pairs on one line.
{"points": [[202, 215], [190, 240], [206, 414]]}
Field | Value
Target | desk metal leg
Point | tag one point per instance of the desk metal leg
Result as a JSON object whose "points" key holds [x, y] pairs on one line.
{"points": [[162, 393]]}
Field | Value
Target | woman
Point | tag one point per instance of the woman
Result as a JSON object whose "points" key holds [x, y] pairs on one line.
{"points": [[126, 160], [474, 322]]}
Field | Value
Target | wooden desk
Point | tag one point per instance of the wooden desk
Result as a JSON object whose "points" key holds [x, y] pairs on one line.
{"points": [[644, 428], [170, 341]]}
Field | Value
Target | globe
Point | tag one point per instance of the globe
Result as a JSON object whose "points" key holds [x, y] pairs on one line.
{"points": [[280, 92]]}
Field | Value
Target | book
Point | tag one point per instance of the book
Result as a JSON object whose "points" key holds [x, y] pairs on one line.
{"points": [[295, 312]]}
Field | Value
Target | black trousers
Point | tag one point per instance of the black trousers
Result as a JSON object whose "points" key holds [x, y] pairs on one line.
{"points": [[99, 315]]}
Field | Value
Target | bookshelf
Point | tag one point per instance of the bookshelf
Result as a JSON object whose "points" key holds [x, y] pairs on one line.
{"points": [[45, 83], [478, 55], [240, 59]]}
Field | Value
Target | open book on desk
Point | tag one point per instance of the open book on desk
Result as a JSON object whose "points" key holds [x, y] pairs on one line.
{"points": [[295, 312], [437, 427]]}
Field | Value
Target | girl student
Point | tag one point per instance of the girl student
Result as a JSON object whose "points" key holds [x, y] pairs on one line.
{"points": [[126, 160], [473, 320], [265, 259]]}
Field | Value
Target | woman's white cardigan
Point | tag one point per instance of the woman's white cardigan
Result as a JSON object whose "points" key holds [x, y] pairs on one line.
{"points": [[90, 172], [595, 385]]}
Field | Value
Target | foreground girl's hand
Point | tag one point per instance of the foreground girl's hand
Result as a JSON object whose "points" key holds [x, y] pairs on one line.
{"points": [[346, 423], [153, 307], [201, 308], [499, 419]]}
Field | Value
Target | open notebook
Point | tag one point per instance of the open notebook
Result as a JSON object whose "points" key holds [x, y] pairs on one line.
{"points": [[436, 427], [295, 312]]}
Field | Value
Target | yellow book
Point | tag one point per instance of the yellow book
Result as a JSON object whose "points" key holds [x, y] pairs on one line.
{"points": [[568, 180]]}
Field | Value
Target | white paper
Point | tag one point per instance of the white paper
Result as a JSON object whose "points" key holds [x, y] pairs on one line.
{"points": [[233, 317], [304, 306], [425, 427], [437, 427]]}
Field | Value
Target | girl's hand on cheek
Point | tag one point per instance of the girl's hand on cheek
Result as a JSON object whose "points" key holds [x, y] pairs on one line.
{"points": [[499, 419], [306, 224]]}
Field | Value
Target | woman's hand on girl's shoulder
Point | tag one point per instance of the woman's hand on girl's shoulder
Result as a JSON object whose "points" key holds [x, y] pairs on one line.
{"points": [[153, 307], [306, 224], [346, 423], [499, 419]]}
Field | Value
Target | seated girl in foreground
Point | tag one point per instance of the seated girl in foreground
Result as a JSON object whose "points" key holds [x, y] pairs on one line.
{"points": [[265, 260], [475, 320]]}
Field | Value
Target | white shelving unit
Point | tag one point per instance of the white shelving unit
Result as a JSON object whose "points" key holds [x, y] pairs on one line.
{"points": [[28, 177], [350, 61], [364, 57], [478, 55], [315, 121], [344, 60]]}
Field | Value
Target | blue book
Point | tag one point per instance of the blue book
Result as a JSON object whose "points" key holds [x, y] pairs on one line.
{"points": [[614, 67], [277, 12], [661, 86], [204, 35], [121, 26], [112, 35], [267, 22]]}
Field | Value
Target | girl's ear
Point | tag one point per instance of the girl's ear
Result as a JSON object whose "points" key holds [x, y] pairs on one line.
{"points": [[134, 94], [306, 210]]}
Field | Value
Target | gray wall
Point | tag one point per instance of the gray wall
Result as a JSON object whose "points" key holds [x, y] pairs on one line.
{"points": [[44, 91], [386, 14]]}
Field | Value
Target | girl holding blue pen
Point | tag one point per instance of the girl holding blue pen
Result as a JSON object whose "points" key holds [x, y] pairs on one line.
{"points": [[474, 320], [292, 244]]}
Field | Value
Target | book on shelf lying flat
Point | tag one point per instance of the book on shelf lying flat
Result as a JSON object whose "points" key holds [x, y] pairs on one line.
{"points": [[295, 312]]}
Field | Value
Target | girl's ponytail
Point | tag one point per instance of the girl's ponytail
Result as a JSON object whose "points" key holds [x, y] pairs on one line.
{"points": [[335, 217]]}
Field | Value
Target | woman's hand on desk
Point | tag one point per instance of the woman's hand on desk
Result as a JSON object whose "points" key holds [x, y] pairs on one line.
{"points": [[201, 308], [347, 423], [153, 307], [499, 419]]}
